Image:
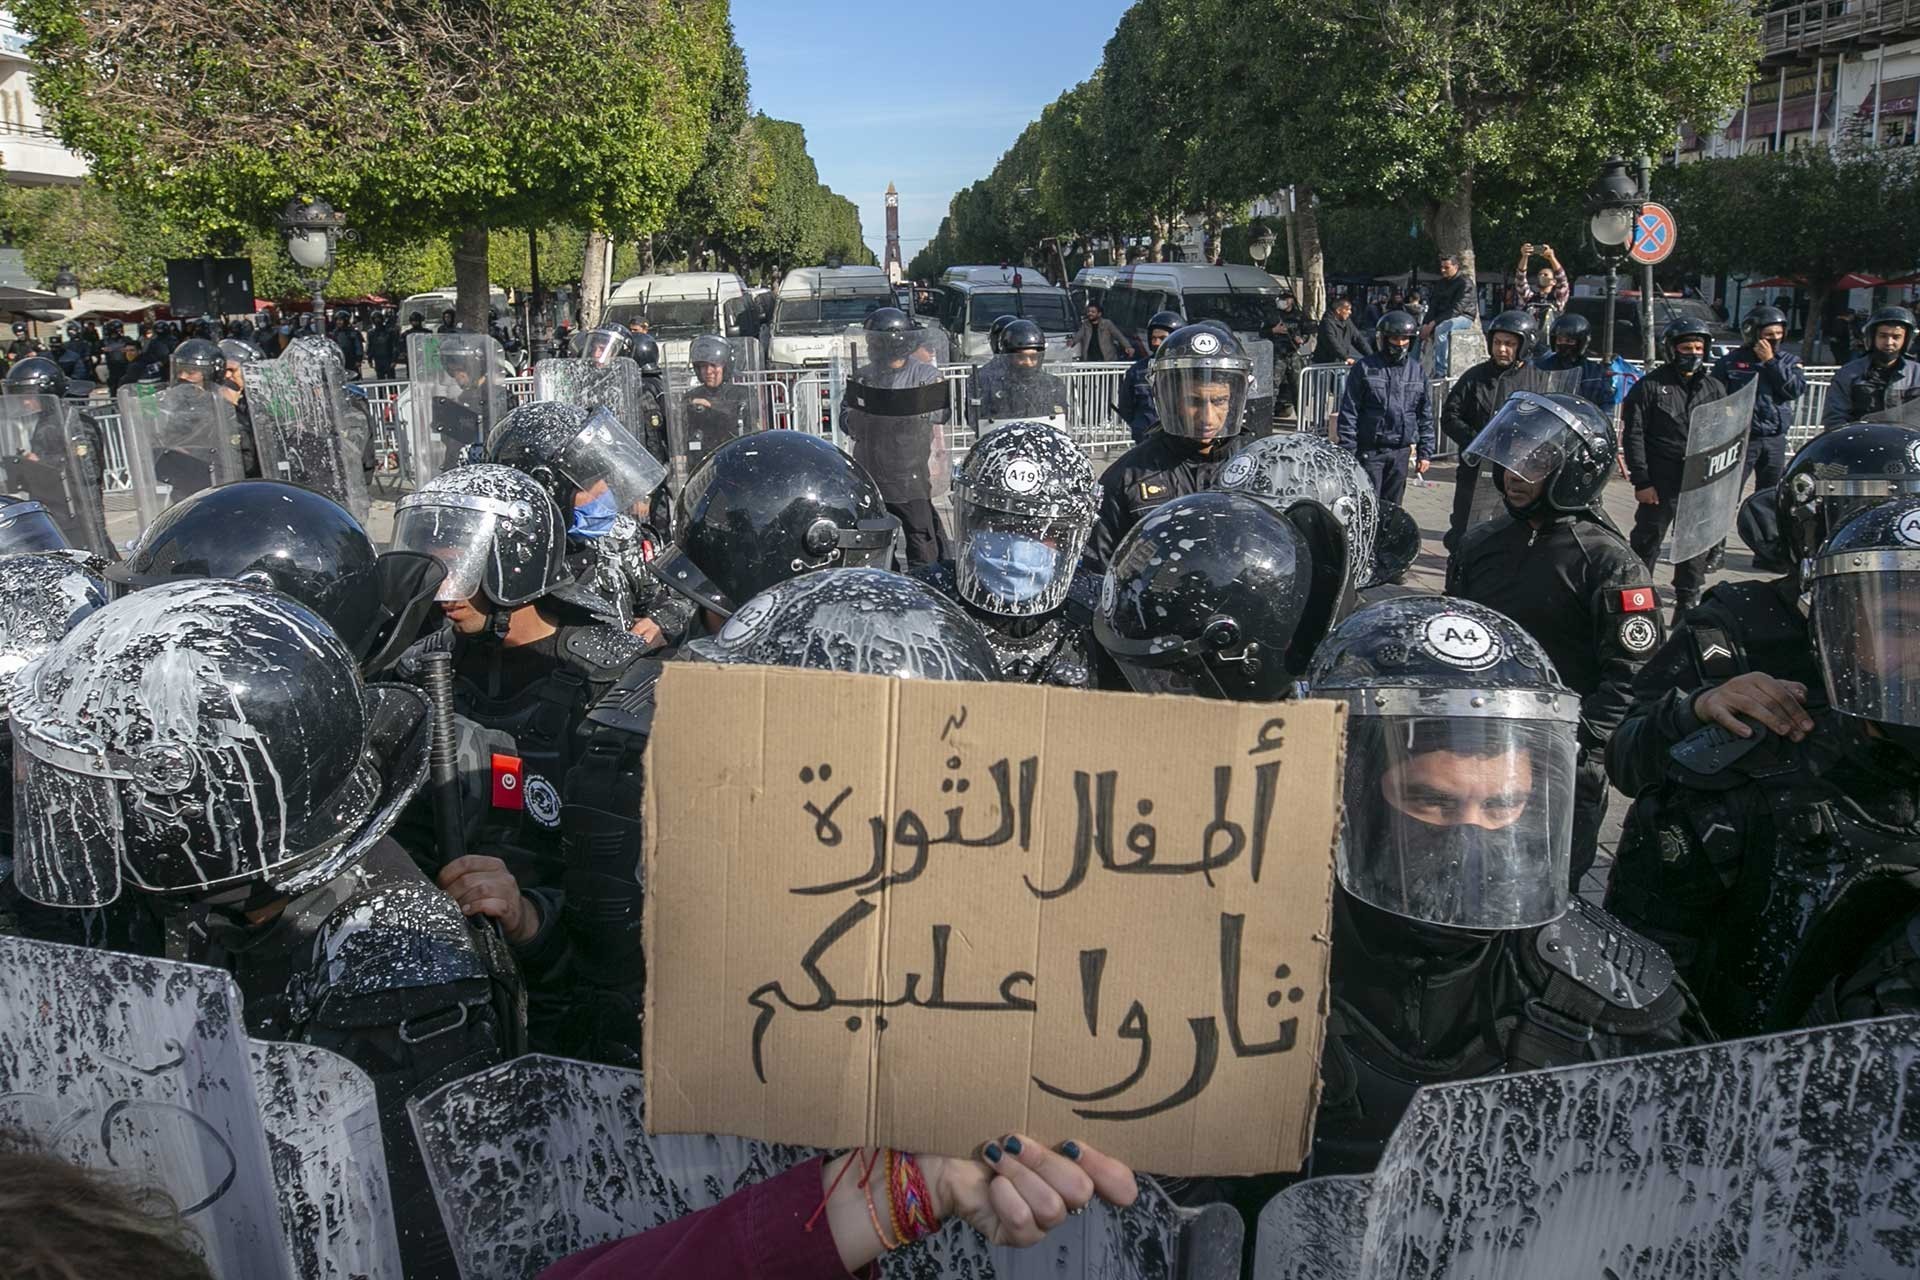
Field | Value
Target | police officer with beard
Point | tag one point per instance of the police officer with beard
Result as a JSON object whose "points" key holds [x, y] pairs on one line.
{"points": [[1560, 569], [1477, 395], [1884, 379], [249, 812], [1023, 504], [1200, 382], [1136, 390], [1386, 409], [1729, 855], [1657, 419]]}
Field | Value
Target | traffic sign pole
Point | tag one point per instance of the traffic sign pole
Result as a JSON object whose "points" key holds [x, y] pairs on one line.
{"points": [[1654, 234]]}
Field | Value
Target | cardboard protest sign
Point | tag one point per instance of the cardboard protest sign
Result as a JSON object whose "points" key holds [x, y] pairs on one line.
{"points": [[919, 914]]}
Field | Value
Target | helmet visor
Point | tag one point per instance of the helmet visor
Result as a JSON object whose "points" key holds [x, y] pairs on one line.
{"points": [[600, 346], [26, 526], [1460, 821], [68, 836], [459, 536], [1187, 675], [605, 457], [1866, 615], [1016, 565], [1202, 399], [1531, 437]]}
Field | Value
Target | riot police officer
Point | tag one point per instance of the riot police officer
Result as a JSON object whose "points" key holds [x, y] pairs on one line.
{"points": [[1023, 504], [1882, 380], [532, 652], [1281, 469], [54, 454], [22, 346], [462, 421], [1476, 396], [117, 352], [384, 345], [1782, 381], [1560, 569], [596, 472], [1570, 338], [993, 371], [1746, 650], [1023, 391], [1459, 949], [895, 410], [1728, 856], [1219, 595], [247, 798], [1136, 390], [644, 350], [716, 409], [1201, 378], [1656, 421], [1386, 409]]}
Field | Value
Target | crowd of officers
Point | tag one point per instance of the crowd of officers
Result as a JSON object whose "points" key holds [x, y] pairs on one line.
{"points": [[1769, 736]]}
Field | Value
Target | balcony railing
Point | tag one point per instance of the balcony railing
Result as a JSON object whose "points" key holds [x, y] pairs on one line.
{"points": [[1837, 24]]}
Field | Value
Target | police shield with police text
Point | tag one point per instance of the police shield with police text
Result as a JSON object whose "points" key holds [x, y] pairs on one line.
{"points": [[895, 411], [1714, 474], [307, 432]]}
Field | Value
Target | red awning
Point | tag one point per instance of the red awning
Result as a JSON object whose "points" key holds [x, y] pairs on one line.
{"points": [[1899, 98], [1853, 280]]}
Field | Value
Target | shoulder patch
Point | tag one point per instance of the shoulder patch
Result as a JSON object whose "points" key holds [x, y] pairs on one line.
{"points": [[1639, 633], [627, 708], [1605, 957]]}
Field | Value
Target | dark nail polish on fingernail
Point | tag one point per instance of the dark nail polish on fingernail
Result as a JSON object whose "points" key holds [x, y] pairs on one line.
{"points": [[1071, 1150], [992, 1153], [1013, 1146]]}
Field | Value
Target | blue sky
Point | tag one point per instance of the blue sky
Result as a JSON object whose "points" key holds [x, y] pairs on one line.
{"points": [[925, 98]]}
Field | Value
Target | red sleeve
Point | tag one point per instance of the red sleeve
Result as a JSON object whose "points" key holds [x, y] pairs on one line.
{"points": [[759, 1233]]}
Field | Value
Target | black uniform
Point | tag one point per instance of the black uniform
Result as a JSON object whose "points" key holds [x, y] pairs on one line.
{"points": [[715, 415], [1470, 405], [1861, 957], [1055, 648], [383, 348], [894, 440], [1728, 870], [1655, 420], [119, 354], [1737, 627], [1157, 469], [1578, 588]]}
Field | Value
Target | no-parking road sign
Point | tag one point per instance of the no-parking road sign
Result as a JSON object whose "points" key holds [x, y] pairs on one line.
{"points": [[1654, 234]]}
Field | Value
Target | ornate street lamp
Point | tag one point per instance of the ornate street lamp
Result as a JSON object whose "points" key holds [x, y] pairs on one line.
{"points": [[1615, 202], [66, 284], [1260, 247], [314, 231]]}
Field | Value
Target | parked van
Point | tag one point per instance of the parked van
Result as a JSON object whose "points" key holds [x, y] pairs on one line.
{"points": [[680, 307], [972, 298], [1244, 298], [1090, 284], [431, 304], [815, 308]]}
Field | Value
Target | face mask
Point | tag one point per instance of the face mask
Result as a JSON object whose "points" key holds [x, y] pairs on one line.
{"points": [[1009, 566], [595, 519], [1689, 364], [1463, 872], [1392, 354]]}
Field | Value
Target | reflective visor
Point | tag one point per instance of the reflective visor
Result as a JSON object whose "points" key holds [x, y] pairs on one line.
{"points": [[1866, 616], [605, 453], [455, 530], [68, 834], [1530, 436]]}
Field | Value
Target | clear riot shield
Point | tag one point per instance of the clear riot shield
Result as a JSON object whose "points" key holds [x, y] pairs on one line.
{"points": [[180, 440], [305, 428], [615, 385], [1466, 347], [1786, 1155], [1012, 394], [1714, 474], [143, 1067], [1260, 400], [544, 1121], [456, 395], [1554, 382], [710, 407], [1905, 415], [50, 456], [896, 413]]}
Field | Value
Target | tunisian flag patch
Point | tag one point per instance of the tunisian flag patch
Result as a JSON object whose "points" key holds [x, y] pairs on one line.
{"points": [[507, 791], [1632, 600]]}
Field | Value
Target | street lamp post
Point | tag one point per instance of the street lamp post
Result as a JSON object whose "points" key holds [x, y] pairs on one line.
{"points": [[314, 231], [66, 285], [1260, 247], [1615, 202]]}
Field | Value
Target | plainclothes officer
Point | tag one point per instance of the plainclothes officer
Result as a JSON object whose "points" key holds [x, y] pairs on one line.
{"points": [[1200, 381], [1657, 418], [1882, 380], [1729, 855], [1560, 569], [1387, 409]]}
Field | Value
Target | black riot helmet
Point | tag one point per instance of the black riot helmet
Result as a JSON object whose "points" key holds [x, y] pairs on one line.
{"points": [[1901, 318], [1280, 469], [573, 451], [644, 350], [1680, 330], [199, 357], [1865, 588], [1461, 744], [1163, 322], [994, 330], [1575, 329], [36, 374], [1839, 473], [1222, 596], [889, 332], [1522, 326], [1394, 324], [269, 534], [240, 351], [206, 739], [767, 507], [1395, 547], [1201, 377], [711, 348], [1758, 319], [602, 346], [494, 529], [1024, 501], [1022, 335], [867, 621], [26, 525], [43, 596], [1563, 444]]}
